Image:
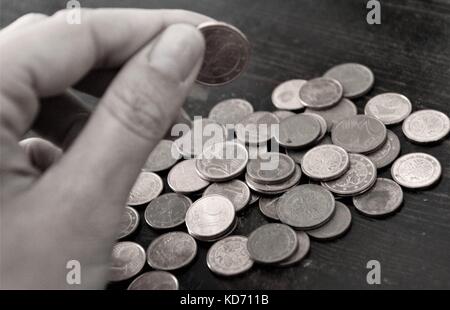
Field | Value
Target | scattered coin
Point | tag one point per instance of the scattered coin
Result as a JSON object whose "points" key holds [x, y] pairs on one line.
{"points": [[306, 206], [155, 280], [273, 189], [230, 111], [297, 155], [385, 155], [128, 223], [282, 114], [256, 128], [333, 115], [270, 168], [383, 198], [416, 170], [320, 93], [167, 211], [337, 226], [210, 217], [390, 108], [227, 233], [325, 162], [298, 131], [236, 191], [128, 258], [222, 161], [360, 177], [183, 178], [322, 123], [272, 243], [268, 207], [359, 134], [173, 250], [147, 187], [163, 157], [229, 256], [356, 79], [300, 253], [227, 53], [426, 126], [285, 96], [204, 133]]}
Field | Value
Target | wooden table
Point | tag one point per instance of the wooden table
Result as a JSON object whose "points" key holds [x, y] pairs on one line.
{"points": [[409, 53]]}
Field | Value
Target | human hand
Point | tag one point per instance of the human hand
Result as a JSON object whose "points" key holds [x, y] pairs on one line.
{"points": [[55, 206]]}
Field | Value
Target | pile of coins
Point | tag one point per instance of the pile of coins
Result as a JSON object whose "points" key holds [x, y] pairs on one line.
{"points": [[328, 148]]}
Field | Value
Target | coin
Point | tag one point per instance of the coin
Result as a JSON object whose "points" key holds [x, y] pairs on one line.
{"points": [[127, 259], [285, 96], [230, 111], [387, 153], [297, 155], [337, 226], [163, 157], [256, 128], [359, 178], [204, 133], [171, 251], [222, 161], [359, 134], [356, 79], [270, 168], [227, 53], [155, 280], [268, 207], [383, 198], [333, 115], [416, 170], [305, 206], [300, 253], [272, 243], [298, 131], [183, 178], [167, 211], [320, 93], [148, 186], [236, 191], [390, 108], [225, 234], [282, 114], [322, 123], [273, 189], [325, 162], [210, 216], [128, 223], [426, 126], [229, 256]]}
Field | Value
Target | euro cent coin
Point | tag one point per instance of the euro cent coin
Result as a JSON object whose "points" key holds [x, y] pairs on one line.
{"points": [[227, 53], [416, 170]]}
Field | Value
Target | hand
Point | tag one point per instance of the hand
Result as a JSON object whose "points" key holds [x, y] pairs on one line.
{"points": [[55, 206]]}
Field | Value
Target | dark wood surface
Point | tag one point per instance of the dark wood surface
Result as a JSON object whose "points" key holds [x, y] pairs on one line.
{"points": [[409, 53]]}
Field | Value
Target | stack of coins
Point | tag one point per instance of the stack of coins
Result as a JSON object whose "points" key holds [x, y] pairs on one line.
{"points": [[300, 161]]}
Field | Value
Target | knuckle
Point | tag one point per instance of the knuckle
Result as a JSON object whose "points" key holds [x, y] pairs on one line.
{"points": [[145, 108], [32, 17]]}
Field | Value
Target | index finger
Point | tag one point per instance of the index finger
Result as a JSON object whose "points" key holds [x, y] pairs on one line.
{"points": [[45, 65]]}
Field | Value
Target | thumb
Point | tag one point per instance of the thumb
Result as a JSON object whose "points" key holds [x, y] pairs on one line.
{"points": [[134, 114]]}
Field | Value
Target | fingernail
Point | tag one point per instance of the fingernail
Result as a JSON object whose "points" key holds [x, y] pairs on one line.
{"points": [[177, 51]]}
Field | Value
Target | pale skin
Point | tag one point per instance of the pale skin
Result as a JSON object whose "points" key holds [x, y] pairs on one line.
{"points": [[62, 198]]}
